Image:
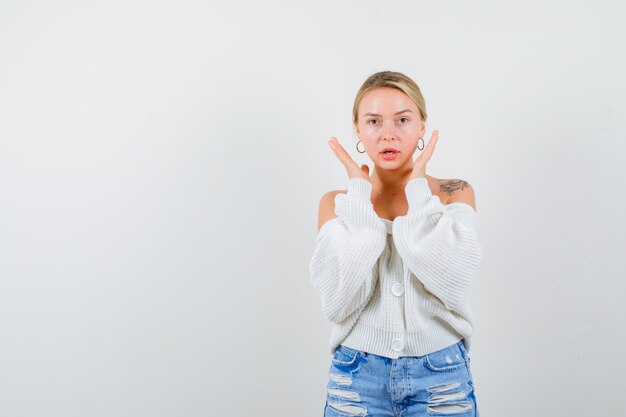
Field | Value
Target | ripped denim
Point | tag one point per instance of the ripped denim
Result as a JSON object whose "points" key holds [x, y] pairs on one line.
{"points": [[437, 384]]}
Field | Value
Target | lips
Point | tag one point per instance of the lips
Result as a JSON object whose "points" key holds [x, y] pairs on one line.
{"points": [[394, 150]]}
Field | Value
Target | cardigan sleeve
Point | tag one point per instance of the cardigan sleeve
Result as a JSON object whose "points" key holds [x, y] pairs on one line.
{"points": [[343, 267], [438, 243]]}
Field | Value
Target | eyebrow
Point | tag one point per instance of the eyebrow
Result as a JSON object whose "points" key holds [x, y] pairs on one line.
{"points": [[374, 114]]}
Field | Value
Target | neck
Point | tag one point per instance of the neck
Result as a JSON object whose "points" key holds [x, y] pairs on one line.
{"points": [[390, 180]]}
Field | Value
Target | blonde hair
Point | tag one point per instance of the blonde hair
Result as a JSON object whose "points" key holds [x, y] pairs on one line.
{"points": [[390, 79]]}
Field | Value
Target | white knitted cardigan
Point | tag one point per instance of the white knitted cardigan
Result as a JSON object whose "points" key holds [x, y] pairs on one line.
{"points": [[397, 288]]}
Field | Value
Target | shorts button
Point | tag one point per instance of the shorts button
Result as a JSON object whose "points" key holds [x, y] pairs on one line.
{"points": [[397, 345], [397, 289]]}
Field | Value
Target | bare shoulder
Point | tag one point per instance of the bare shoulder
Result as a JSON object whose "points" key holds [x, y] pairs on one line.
{"points": [[458, 191], [326, 210]]}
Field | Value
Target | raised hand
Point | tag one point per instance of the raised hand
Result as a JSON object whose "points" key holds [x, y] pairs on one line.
{"points": [[354, 171], [419, 168]]}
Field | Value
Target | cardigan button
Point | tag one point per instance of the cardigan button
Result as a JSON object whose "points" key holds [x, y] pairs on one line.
{"points": [[397, 289], [397, 345]]}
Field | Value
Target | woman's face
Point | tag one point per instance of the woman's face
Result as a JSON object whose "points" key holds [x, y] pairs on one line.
{"points": [[388, 118]]}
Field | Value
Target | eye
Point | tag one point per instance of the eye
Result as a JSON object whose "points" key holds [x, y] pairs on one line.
{"points": [[404, 120], [372, 120]]}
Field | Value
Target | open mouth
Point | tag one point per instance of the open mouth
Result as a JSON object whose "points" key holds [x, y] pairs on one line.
{"points": [[389, 154], [389, 151]]}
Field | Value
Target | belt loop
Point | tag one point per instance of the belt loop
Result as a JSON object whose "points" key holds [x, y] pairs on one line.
{"points": [[462, 348]]}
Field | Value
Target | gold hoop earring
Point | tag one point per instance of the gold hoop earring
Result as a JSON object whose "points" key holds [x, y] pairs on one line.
{"points": [[357, 147], [418, 143]]}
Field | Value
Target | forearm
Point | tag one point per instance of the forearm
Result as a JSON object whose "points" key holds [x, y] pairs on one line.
{"points": [[344, 264], [438, 244]]}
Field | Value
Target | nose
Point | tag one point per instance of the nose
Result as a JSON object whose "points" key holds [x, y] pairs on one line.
{"points": [[389, 130]]}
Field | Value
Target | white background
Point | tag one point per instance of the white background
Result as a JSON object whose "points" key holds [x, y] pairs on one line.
{"points": [[161, 164]]}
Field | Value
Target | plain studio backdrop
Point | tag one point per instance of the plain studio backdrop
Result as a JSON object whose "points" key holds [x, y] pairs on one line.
{"points": [[161, 165]]}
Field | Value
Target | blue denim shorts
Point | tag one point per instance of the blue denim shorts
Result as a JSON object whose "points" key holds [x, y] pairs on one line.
{"points": [[437, 384]]}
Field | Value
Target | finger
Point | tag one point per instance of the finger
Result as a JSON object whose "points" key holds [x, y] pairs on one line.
{"points": [[340, 152], [431, 145], [366, 169], [425, 155]]}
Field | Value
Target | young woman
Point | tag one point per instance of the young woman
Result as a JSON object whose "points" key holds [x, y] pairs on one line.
{"points": [[394, 260]]}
